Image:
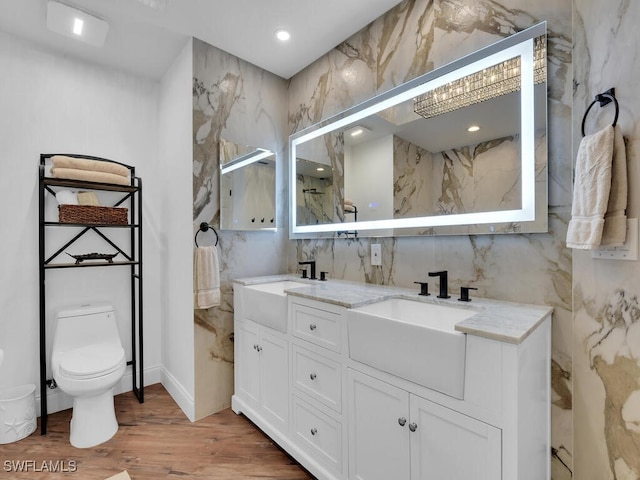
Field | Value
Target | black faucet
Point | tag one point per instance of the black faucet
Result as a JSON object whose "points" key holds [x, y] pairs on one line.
{"points": [[313, 268], [444, 290]]}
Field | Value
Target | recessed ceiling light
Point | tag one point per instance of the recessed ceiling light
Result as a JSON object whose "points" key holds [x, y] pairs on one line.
{"points": [[78, 23], [356, 132], [473, 128], [74, 23], [320, 169], [283, 35]]}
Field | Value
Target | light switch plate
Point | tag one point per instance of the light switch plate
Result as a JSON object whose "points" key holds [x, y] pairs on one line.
{"points": [[376, 254], [628, 251]]}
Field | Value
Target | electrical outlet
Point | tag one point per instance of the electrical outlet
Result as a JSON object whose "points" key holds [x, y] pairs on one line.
{"points": [[628, 251], [376, 254]]}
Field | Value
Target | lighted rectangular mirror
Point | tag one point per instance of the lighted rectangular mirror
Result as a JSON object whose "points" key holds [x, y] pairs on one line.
{"points": [[247, 187], [459, 150]]}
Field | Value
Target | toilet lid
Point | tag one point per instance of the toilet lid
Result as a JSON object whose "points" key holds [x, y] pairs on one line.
{"points": [[91, 361]]}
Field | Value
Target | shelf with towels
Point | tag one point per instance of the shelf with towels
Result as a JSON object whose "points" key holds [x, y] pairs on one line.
{"points": [[130, 249]]}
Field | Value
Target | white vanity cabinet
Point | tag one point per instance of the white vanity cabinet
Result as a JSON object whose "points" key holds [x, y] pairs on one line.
{"points": [[348, 417], [395, 434], [318, 377], [262, 363]]}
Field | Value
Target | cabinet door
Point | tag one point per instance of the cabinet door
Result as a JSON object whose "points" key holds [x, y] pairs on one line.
{"points": [[247, 363], [378, 430], [274, 378], [447, 445]]}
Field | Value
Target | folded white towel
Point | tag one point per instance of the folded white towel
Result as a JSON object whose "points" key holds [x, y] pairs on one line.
{"points": [[348, 201], [349, 208], [591, 190], [614, 232], [67, 197], [206, 277]]}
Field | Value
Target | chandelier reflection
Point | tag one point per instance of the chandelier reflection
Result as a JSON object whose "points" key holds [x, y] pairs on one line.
{"points": [[491, 82]]}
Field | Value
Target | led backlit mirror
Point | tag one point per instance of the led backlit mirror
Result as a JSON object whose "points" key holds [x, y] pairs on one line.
{"points": [[247, 187], [459, 150]]}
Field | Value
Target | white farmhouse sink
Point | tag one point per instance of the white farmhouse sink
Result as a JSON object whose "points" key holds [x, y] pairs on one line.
{"points": [[413, 340], [266, 303]]}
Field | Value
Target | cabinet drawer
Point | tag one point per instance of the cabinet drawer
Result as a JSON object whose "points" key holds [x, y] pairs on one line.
{"points": [[318, 376], [318, 434], [318, 326]]}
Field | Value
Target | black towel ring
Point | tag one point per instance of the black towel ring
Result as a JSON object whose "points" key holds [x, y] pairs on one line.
{"points": [[604, 99], [204, 226]]}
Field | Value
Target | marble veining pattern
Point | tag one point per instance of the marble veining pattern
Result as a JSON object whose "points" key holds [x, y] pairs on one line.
{"points": [[241, 103], [606, 292]]}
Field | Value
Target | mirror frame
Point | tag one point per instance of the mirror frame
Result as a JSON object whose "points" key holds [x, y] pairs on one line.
{"points": [[519, 44]]}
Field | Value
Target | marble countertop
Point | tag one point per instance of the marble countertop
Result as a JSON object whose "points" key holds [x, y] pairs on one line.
{"points": [[504, 321]]}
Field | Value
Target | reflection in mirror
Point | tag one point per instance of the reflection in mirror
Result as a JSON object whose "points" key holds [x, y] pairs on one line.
{"points": [[247, 187], [459, 150]]}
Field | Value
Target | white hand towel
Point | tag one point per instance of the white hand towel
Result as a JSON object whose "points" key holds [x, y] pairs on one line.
{"points": [[614, 232], [591, 190], [206, 277], [349, 208]]}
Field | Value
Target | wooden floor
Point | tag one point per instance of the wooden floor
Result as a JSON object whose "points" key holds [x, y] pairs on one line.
{"points": [[155, 441]]}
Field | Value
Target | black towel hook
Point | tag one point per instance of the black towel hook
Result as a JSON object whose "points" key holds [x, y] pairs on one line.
{"points": [[204, 226], [604, 98]]}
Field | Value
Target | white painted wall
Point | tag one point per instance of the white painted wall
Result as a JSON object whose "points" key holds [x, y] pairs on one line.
{"points": [[174, 217], [368, 178], [53, 104]]}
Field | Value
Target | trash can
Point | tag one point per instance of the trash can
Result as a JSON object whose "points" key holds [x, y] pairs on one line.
{"points": [[17, 413]]}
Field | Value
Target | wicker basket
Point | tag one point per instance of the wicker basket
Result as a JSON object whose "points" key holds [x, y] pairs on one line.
{"points": [[93, 214]]}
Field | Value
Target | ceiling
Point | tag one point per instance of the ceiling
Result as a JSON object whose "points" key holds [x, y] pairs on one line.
{"points": [[146, 35]]}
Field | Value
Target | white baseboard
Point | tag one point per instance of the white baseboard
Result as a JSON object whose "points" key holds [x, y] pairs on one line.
{"points": [[179, 394], [57, 400]]}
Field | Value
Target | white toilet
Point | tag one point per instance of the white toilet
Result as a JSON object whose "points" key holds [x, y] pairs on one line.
{"points": [[87, 361]]}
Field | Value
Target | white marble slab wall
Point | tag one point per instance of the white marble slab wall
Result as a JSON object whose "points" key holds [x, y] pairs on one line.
{"points": [[409, 40], [412, 190], [241, 103], [605, 292]]}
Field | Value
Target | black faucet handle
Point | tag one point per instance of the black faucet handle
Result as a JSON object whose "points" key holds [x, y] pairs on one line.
{"points": [[304, 272], [323, 276], [424, 288], [464, 294]]}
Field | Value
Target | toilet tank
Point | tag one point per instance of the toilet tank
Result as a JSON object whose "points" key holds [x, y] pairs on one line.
{"points": [[85, 325]]}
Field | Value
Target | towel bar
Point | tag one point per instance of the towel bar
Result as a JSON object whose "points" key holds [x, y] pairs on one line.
{"points": [[204, 226], [604, 98]]}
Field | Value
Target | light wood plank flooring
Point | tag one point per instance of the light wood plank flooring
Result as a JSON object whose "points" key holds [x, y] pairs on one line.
{"points": [[155, 441]]}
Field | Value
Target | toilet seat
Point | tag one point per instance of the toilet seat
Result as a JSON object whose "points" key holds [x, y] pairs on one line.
{"points": [[91, 361]]}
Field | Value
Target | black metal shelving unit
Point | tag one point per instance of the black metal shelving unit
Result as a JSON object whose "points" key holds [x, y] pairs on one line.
{"points": [[131, 197]]}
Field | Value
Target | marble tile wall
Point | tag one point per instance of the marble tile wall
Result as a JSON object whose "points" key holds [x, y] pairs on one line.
{"points": [[241, 103], [411, 39], [606, 347]]}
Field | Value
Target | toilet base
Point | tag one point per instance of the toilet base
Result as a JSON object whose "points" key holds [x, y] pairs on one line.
{"points": [[93, 421]]}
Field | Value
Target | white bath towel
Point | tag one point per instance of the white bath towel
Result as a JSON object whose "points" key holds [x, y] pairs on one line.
{"points": [[206, 277], [349, 208], [591, 190], [614, 232]]}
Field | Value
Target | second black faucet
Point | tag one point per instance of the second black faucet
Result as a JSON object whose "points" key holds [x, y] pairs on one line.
{"points": [[313, 268], [444, 289]]}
